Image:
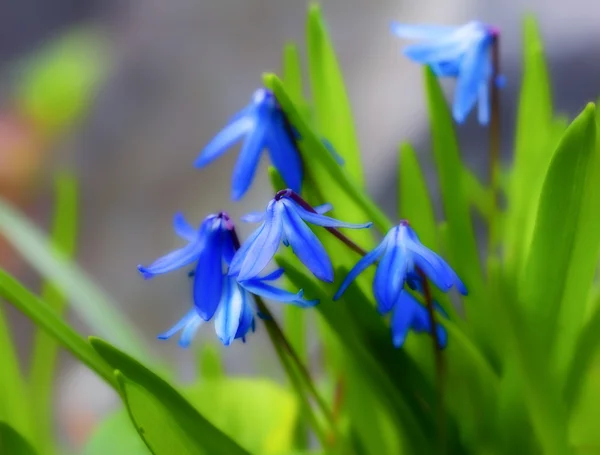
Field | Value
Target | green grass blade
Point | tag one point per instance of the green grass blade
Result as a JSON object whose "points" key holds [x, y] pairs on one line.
{"points": [[414, 200], [14, 400], [44, 316], [332, 106], [461, 237], [91, 304], [165, 420], [13, 443], [323, 171], [533, 145], [292, 74], [45, 349]]}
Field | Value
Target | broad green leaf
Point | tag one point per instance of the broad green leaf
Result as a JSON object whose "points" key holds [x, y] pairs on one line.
{"points": [[533, 145], [586, 349], [14, 400], [210, 362], [582, 269], [461, 237], [63, 237], [45, 317], [115, 435], [334, 184], [479, 196], [90, 303], [415, 203], [292, 74], [558, 224], [332, 106], [59, 81], [13, 443], [165, 420], [542, 284], [258, 413]]}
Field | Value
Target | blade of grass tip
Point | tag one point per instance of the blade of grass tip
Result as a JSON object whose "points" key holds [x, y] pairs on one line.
{"points": [[44, 316], [14, 400], [90, 303], [45, 349]]}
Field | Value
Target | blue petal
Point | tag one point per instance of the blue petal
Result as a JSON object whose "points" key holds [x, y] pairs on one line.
{"points": [[246, 165], [361, 265], [183, 229], [233, 132], [402, 318], [323, 208], [189, 332], [227, 318], [278, 295], [471, 75], [247, 317], [174, 260], [184, 321], [483, 95], [322, 220], [419, 32], [283, 152], [242, 253], [263, 246], [253, 217], [391, 273], [208, 279], [306, 245], [275, 275]]}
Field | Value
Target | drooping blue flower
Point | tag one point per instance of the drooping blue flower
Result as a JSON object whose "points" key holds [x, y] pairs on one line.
{"points": [[401, 254], [263, 125], [409, 314], [285, 221], [235, 314], [211, 248], [460, 52]]}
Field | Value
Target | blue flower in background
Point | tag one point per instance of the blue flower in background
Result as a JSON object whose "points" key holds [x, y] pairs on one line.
{"points": [[409, 314], [234, 316], [460, 52], [263, 125], [285, 221], [211, 247], [401, 253]]}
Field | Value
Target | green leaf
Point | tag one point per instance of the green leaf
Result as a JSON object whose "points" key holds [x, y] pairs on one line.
{"points": [[334, 184], [533, 146], [14, 400], [260, 414], [558, 222], [64, 235], [292, 74], [461, 237], [58, 82], [542, 284], [45, 317], [12, 443], [165, 420], [90, 303], [582, 269], [331, 103], [115, 435], [415, 203]]}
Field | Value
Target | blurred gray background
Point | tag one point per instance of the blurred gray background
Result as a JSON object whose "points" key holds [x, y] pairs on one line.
{"points": [[182, 67]]}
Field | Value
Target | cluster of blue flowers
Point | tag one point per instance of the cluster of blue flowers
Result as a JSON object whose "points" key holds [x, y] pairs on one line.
{"points": [[227, 275]]}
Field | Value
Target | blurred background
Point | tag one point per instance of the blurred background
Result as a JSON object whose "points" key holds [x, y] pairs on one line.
{"points": [[126, 93]]}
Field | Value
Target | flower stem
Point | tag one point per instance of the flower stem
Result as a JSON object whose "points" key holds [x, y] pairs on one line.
{"points": [[494, 145], [439, 360]]}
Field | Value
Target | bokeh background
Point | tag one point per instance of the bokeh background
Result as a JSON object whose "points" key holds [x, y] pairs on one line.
{"points": [[126, 93]]}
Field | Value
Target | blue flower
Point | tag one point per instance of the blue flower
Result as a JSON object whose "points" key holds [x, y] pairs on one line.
{"points": [[409, 314], [401, 254], [460, 52], [234, 316], [285, 221], [211, 247], [263, 125]]}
